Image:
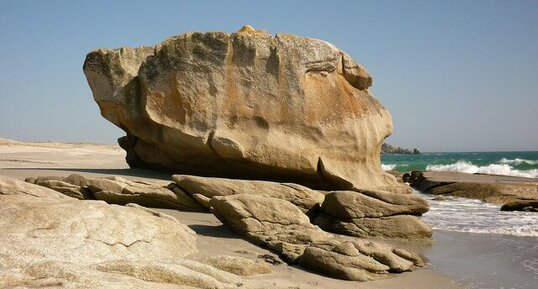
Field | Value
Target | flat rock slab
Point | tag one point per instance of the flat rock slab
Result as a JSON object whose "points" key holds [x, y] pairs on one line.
{"points": [[488, 188], [452, 177], [117, 190], [306, 199], [84, 231], [283, 228]]}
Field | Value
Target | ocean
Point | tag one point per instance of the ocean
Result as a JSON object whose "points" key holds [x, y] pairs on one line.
{"points": [[467, 215], [521, 164], [477, 244]]}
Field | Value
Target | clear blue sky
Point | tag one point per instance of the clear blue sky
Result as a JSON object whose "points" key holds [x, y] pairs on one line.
{"points": [[456, 75]]}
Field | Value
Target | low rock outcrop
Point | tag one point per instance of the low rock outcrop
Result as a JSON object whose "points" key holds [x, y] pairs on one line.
{"points": [[50, 240], [14, 186], [283, 228], [523, 205], [73, 186], [204, 188], [245, 105], [374, 214], [117, 190], [63, 228], [494, 189]]}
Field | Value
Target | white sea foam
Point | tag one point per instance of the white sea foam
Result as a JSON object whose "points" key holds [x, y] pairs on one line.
{"points": [[388, 167], [474, 216], [518, 161], [493, 169]]}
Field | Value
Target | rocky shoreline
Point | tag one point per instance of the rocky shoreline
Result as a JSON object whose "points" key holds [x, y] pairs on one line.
{"points": [[218, 241], [513, 193], [267, 213]]}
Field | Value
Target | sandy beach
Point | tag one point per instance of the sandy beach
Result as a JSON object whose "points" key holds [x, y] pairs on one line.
{"points": [[23, 160], [455, 260]]}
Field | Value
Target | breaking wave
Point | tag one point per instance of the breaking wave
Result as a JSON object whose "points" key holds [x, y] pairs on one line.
{"points": [[518, 161], [474, 216], [388, 167], [492, 169]]}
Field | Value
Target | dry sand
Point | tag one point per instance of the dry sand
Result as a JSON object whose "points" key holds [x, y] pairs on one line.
{"points": [[56, 159]]}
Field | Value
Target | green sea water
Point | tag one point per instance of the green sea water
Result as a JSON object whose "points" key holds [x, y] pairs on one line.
{"points": [[523, 164]]}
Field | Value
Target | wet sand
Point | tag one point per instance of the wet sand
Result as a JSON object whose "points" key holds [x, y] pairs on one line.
{"points": [[456, 260], [486, 260]]}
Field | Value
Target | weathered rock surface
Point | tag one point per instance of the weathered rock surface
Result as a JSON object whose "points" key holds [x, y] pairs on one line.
{"points": [[358, 260], [360, 204], [245, 105], [182, 272], [283, 228], [63, 228], [117, 190], [73, 186], [374, 214], [121, 191], [400, 227], [275, 223], [61, 242], [306, 199], [239, 266], [488, 188]]}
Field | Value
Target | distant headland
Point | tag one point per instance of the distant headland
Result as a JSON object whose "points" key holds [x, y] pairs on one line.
{"points": [[390, 149]]}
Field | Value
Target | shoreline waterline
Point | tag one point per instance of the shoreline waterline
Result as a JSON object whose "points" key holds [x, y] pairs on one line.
{"points": [[521, 164]]}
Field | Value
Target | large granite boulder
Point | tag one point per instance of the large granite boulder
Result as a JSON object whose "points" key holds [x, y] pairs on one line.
{"points": [[245, 105], [374, 214], [283, 228], [204, 188]]}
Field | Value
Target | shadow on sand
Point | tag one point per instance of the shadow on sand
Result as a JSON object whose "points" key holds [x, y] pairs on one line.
{"points": [[121, 172], [220, 231]]}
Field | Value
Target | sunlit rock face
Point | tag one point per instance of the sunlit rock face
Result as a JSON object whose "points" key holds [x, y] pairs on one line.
{"points": [[245, 105]]}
